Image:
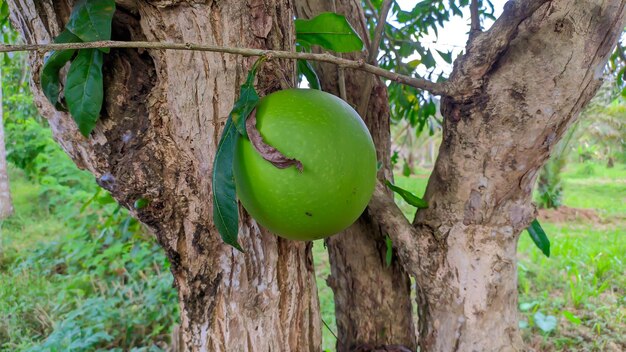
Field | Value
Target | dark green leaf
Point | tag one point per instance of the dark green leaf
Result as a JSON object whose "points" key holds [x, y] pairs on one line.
{"points": [[539, 237], [330, 31], [225, 210], [4, 10], [428, 60], [248, 99], [446, 56], [50, 83], [141, 203], [84, 89], [389, 254], [91, 20], [305, 68], [406, 169], [409, 197]]}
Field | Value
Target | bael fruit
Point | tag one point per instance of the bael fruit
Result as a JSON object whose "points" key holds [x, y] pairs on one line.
{"points": [[339, 165]]}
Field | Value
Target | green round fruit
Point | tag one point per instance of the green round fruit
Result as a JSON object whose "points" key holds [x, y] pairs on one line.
{"points": [[338, 158]]}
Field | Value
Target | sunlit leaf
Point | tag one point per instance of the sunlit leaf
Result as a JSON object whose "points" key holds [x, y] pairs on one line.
{"points": [[330, 31], [409, 197]]}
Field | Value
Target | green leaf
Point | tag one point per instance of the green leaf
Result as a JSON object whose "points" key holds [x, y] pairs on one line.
{"points": [[248, 99], [389, 254], [225, 210], [49, 79], [446, 56], [408, 196], [330, 31], [428, 60], [571, 317], [305, 68], [141, 203], [91, 20], [539, 237], [84, 90]]}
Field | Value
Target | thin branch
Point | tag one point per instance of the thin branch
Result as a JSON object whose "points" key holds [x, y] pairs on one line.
{"points": [[475, 22], [403, 234], [378, 32], [433, 87], [373, 54], [340, 71]]}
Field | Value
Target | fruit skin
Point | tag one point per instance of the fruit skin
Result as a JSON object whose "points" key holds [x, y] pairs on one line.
{"points": [[339, 159]]}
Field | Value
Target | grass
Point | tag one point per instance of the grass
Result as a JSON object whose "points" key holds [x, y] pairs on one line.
{"points": [[79, 281]]}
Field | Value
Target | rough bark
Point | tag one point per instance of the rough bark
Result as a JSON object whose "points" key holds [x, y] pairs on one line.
{"points": [[6, 204], [372, 301], [496, 138], [159, 129]]}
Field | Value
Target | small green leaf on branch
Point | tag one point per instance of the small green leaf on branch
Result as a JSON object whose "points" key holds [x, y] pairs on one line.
{"points": [[248, 99], [409, 197]]}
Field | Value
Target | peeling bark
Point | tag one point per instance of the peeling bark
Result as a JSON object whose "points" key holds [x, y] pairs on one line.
{"points": [[372, 301], [158, 133]]}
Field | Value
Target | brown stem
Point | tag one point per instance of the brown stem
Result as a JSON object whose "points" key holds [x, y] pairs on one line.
{"points": [[475, 24], [373, 54], [433, 87]]}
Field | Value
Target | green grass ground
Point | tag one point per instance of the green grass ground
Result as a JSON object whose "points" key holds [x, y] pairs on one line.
{"points": [[576, 299], [79, 288], [573, 301]]}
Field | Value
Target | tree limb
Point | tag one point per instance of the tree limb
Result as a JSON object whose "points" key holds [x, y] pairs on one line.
{"points": [[485, 48], [433, 87], [373, 54], [403, 234]]}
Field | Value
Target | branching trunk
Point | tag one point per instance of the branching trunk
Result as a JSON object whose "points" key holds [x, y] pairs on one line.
{"points": [[495, 141], [159, 129], [372, 301], [6, 204]]}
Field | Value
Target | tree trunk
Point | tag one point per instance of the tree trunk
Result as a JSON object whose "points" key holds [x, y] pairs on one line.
{"points": [[495, 141], [372, 301], [6, 204], [156, 139]]}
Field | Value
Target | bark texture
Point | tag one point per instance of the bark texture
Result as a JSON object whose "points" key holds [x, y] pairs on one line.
{"points": [[158, 133], [372, 301], [496, 138], [6, 204]]}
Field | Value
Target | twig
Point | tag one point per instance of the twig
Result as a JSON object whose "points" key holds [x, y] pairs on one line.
{"points": [[341, 74], [373, 54], [475, 21], [433, 87]]}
